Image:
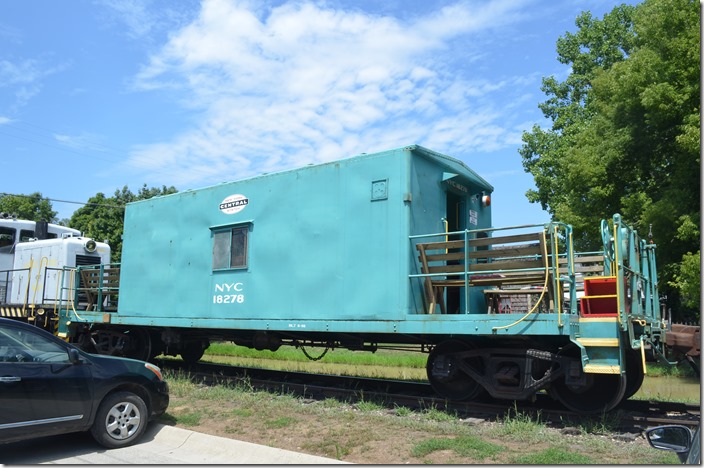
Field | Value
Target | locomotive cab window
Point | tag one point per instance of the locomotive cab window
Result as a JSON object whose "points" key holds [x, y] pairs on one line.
{"points": [[230, 247], [7, 239], [25, 235]]}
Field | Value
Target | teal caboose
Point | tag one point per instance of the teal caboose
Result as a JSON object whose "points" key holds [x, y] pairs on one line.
{"points": [[395, 248], [321, 243]]}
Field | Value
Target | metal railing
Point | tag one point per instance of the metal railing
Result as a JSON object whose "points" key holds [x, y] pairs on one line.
{"points": [[557, 237]]}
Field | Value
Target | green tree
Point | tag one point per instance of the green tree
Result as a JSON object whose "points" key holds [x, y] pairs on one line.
{"points": [[688, 280], [625, 129], [102, 218], [32, 207]]}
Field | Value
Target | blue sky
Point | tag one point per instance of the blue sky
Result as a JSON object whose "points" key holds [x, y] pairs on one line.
{"points": [[96, 95]]}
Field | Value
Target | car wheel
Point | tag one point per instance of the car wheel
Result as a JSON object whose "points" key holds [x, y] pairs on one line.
{"points": [[121, 420]]}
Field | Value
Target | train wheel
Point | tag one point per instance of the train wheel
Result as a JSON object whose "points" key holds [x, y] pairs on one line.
{"points": [[601, 393], [134, 343], [445, 371], [193, 351], [139, 344], [634, 373], [595, 393], [157, 345]]}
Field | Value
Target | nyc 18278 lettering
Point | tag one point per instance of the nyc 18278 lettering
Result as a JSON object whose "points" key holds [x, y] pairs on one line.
{"points": [[228, 298]]}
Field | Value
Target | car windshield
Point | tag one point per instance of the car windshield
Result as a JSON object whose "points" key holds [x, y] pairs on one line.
{"points": [[18, 345]]}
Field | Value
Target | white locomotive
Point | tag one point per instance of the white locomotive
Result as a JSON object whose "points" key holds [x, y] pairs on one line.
{"points": [[33, 256]]}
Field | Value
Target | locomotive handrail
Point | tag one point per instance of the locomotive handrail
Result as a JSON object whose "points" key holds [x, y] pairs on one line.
{"points": [[8, 282], [71, 290]]}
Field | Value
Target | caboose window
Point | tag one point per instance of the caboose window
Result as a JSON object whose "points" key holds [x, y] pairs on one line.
{"points": [[230, 248]]}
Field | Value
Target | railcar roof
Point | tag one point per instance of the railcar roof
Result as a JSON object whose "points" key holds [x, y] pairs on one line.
{"points": [[452, 164]]}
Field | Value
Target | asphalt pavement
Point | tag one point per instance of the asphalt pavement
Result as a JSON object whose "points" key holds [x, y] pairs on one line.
{"points": [[159, 445]]}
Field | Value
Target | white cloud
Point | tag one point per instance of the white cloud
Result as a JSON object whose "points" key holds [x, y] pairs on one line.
{"points": [[301, 82], [134, 14], [24, 78], [13, 73], [83, 141], [141, 20]]}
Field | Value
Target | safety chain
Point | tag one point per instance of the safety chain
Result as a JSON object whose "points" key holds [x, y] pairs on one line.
{"points": [[311, 357]]}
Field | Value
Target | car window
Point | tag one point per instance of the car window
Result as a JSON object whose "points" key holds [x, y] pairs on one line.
{"points": [[23, 346], [695, 453]]}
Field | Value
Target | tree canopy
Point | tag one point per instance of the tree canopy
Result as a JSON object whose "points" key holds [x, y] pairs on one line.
{"points": [[32, 207], [625, 134], [102, 217]]}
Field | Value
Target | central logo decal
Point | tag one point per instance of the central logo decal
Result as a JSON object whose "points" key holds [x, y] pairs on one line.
{"points": [[234, 204]]}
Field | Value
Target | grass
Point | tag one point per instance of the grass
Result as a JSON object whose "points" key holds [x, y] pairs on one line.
{"points": [[189, 419], [278, 423], [553, 456], [602, 424], [383, 357], [359, 432], [662, 370], [433, 414], [366, 405], [365, 431], [465, 446], [519, 425]]}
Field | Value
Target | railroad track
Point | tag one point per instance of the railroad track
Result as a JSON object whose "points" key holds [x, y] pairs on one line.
{"points": [[630, 415]]}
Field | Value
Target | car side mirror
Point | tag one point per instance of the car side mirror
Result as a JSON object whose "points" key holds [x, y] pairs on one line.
{"points": [[673, 438], [74, 356]]}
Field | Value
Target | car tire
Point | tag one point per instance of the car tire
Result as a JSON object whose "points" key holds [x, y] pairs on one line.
{"points": [[120, 421]]}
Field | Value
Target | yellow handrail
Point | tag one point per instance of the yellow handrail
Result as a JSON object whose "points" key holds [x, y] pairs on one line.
{"points": [[542, 293], [39, 275], [558, 286], [615, 271], [29, 281], [71, 286]]}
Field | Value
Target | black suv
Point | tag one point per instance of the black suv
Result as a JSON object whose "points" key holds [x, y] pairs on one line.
{"points": [[49, 387]]}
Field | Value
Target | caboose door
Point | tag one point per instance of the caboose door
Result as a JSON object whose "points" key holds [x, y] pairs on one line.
{"points": [[456, 215]]}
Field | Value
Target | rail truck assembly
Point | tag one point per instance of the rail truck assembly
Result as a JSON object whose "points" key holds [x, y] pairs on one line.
{"points": [[393, 249]]}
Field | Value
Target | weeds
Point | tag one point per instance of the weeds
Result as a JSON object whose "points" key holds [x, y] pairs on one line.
{"points": [[189, 419], [553, 456], [604, 424], [518, 423], [332, 403], [366, 405], [466, 446], [402, 411], [280, 422], [242, 412], [434, 414]]}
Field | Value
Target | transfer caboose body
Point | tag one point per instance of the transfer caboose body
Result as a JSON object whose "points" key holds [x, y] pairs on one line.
{"points": [[394, 248], [298, 249]]}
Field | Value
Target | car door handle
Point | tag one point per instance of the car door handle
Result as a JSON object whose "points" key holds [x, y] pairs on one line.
{"points": [[10, 379]]}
